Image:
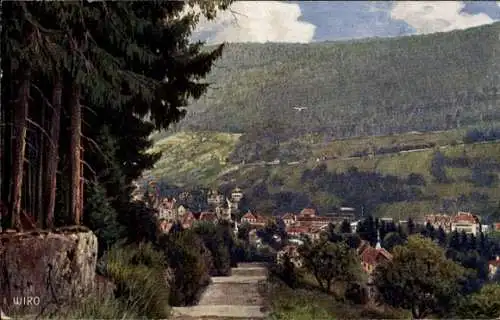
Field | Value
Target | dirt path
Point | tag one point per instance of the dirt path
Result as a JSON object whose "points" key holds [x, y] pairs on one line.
{"points": [[235, 297]]}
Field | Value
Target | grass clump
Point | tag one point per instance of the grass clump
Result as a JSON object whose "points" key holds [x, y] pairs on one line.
{"points": [[141, 291], [136, 270], [97, 308], [139, 274]]}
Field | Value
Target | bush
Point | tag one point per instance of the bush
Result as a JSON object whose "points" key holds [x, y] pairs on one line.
{"points": [[191, 262], [289, 273], [218, 240], [484, 304], [356, 293], [138, 272]]}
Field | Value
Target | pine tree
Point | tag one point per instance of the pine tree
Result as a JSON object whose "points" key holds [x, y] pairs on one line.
{"points": [[118, 62], [345, 227], [441, 237], [411, 226], [454, 242]]}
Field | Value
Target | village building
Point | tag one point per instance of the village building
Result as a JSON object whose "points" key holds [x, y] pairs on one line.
{"points": [[187, 220], [443, 221], [288, 219], [494, 267], [224, 213], [214, 198], [208, 216], [297, 231], [307, 218], [370, 258], [496, 226], [354, 226], [466, 222], [164, 226], [255, 220], [181, 211], [236, 195]]}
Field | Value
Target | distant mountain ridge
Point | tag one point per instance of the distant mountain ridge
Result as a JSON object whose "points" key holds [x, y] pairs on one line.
{"points": [[381, 86]]}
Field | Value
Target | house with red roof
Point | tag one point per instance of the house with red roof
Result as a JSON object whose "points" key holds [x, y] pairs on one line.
{"points": [[467, 222], [288, 219], [306, 222], [297, 231], [164, 226], [248, 218], [370, 258], [255, 220], [496, 226], [188, 219], [208, 216]]}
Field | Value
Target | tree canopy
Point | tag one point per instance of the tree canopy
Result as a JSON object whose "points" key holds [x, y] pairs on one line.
{"points": [[84, 85], [419, 278]]}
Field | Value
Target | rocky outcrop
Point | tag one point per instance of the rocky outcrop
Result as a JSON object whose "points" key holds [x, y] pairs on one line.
{"points": [[44, 270]]}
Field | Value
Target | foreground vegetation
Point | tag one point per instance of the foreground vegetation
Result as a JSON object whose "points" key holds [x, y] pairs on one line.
{"points": [[430, 274], [78, 79]]}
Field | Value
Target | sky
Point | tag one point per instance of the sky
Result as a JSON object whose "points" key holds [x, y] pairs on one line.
{"points": [[303, 21]]}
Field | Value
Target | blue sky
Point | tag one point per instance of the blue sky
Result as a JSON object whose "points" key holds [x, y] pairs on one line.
{"points": [[306, 21]]}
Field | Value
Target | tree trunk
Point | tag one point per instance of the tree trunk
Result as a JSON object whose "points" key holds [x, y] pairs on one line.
{"points": [[20, 122], [75, 154], [329, 286], [53, 154], [40, 176]]}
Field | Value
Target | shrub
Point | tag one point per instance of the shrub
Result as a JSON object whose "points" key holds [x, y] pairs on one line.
{"points": [[289, 273], [190, 261], [136, 270], [356, 293], [484, 304], [219, 242]]}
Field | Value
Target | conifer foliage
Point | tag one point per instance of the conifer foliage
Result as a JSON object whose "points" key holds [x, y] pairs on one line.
{"points": [[79, 79]]}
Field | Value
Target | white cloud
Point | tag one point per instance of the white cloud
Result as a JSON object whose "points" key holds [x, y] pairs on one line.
{"points": [[437, 16], [256, 21]]}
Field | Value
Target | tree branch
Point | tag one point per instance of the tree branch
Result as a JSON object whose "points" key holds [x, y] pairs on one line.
{"points": [[93, 143], [42, 130]]}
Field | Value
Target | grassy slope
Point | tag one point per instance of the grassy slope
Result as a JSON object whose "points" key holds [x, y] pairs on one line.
{"points": [[372, 87], [194, 158], [311, 304]]}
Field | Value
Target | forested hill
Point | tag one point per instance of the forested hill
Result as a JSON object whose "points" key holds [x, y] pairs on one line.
{"points": [[428, 82]]}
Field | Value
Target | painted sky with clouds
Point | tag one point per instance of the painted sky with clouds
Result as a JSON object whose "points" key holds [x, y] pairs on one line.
{"points": [[294, 21]]}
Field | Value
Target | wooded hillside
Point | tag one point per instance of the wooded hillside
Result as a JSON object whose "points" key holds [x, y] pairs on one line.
{"points": [[427, 82]]}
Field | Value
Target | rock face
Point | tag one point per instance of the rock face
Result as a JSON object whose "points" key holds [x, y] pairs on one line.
{"points": [[43, 270]]}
